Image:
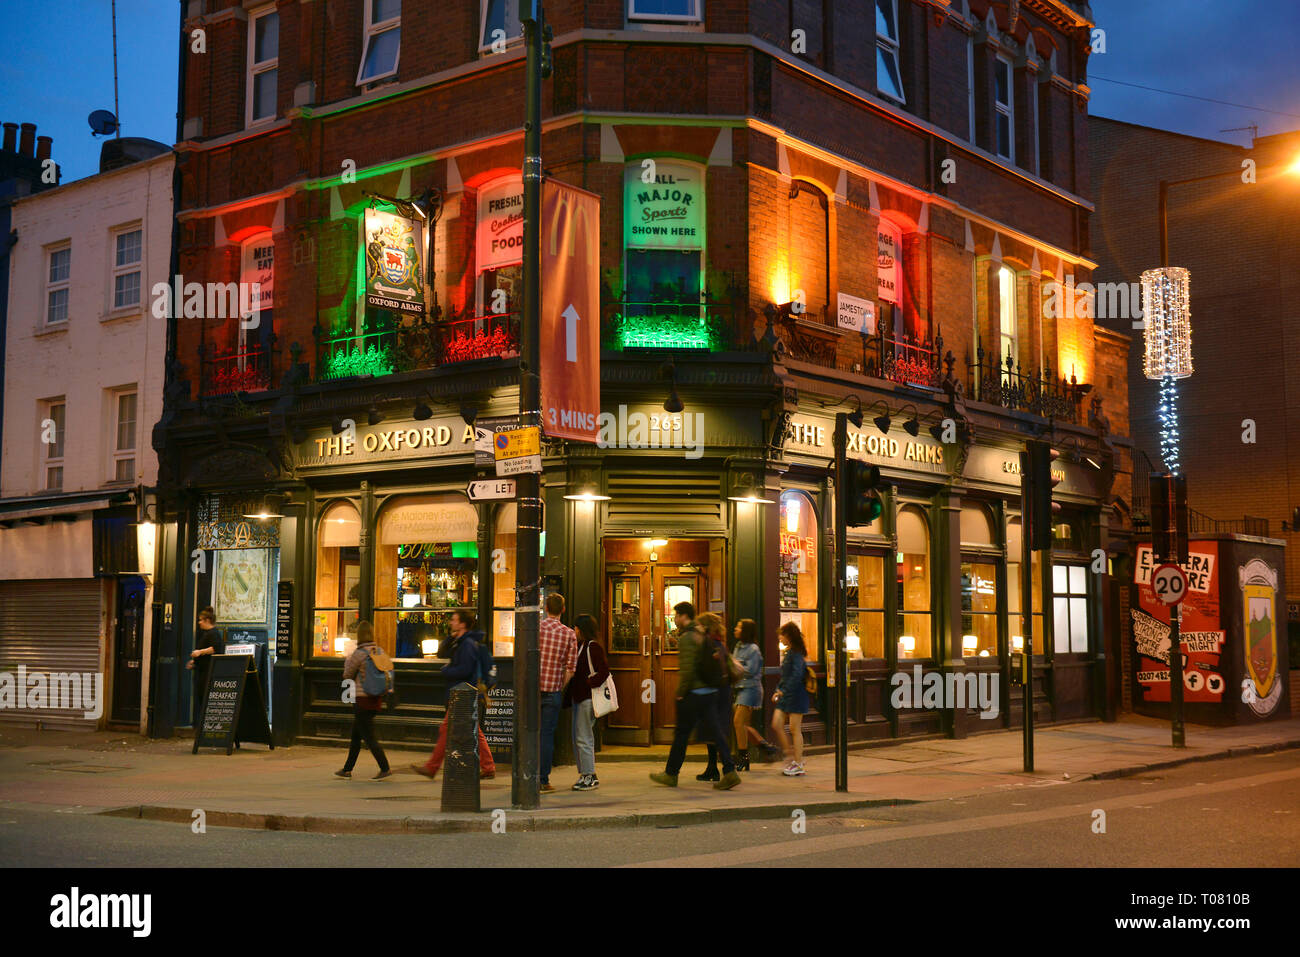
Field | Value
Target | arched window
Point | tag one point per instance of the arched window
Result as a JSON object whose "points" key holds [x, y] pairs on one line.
{"points": [[1007, 344], [798, 570], [979, 589], [426, 567], [338, 580], [913, 581]]}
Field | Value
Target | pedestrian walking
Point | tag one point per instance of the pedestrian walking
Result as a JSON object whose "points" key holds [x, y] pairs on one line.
{"points": [[701, 673], [559, 659], [714, 639], [591, 673], [364, 704], [208, 641], [464, 653], [791, 697], [748, 694]]}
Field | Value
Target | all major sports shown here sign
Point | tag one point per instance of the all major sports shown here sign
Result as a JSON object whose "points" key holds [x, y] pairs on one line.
{"points": [[570, 371], [1170, 584]]}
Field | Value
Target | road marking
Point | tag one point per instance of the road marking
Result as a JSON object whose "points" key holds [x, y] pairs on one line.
{"points": [[838, 842]]}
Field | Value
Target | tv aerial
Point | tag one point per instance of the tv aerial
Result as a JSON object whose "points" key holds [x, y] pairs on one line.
{"points": [[102, 123]]}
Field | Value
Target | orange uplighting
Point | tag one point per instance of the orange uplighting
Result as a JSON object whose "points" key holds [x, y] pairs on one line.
{"points": [[780, 284]]}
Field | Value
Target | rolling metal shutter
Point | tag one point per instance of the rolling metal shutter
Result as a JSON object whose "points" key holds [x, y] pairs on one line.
{"points": [[50, 626]]}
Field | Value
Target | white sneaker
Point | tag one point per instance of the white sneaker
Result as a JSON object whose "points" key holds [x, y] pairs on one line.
{"points": [[791, 769]]}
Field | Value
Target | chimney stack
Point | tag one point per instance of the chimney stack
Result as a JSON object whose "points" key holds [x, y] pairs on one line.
{"points": [[43, 148], [27, 140], [11, 137]]}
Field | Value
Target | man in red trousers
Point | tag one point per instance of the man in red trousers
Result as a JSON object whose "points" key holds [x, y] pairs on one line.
{"points": [[464, 655]]}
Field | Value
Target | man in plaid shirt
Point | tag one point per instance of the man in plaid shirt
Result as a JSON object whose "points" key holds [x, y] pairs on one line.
{"points": [[559, 652]]}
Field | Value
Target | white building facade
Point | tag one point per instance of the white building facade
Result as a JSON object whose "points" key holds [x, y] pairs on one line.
{"points": [[84, 356]]}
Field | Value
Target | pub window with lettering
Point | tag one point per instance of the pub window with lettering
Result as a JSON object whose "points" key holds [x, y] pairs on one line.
{"points": [[499, 250], [798, 567], [912, 579], [979, 584], [426, 567], [663, 248], [338, 580], [889, 278]]}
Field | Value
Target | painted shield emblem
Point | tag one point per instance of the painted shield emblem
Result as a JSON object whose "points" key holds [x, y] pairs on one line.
{"points": [[394, 264], [1261, 637]]}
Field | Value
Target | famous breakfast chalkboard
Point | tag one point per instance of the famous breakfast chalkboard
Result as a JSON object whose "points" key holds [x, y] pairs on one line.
{"points": [[233, 709]]}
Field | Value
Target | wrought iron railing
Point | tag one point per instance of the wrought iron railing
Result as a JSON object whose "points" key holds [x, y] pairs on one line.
{"points": [[225, 372], [671, 324], [495, 335], [346, 354], [1198, 523], [1039, 392], [884, 354], [416, 343]]}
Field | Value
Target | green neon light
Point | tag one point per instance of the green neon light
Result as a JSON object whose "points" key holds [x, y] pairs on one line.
{"points": [[674, 332], [373, 360]]}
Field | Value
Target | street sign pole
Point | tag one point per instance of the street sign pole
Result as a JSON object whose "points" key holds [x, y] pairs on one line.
{"points": [[525, 780], [1027, 602], [840, 630]]}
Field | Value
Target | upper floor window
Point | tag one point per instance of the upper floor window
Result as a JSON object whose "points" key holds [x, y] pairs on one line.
{"points": [[53, 413], [1006, 315], [124, 432], [663, 10], [128, 253], [383, 40], [57, 283], [1006, 133], [500, 23], [263, 66], [889, 72]]}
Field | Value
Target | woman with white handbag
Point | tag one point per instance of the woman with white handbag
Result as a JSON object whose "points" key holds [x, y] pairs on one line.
{"points": [[591, 692]]}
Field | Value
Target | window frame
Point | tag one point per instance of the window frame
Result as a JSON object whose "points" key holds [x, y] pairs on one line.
{"points": [[254, 68], [59, 285], [812, 639], [891, 47], [1007, 303], [1069, 597], [370, 31], [1006, 109], [116, 270], [116, 453], [696, 17], [901, 611], [970, 86], [485, 46], [48, 461]]}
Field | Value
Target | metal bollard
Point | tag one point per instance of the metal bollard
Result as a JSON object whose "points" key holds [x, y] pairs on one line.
{"points": [[460, 767]]}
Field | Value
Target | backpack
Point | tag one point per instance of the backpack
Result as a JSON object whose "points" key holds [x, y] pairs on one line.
{"points": [[377, 673], [809, 679], [708, 663], [487, 668]]}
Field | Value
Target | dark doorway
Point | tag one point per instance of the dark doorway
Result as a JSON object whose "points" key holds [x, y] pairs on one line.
{"points": [[128, 643]]}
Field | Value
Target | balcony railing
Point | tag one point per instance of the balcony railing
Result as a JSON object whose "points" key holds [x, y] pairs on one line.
{"points": [[884, 354], [423, 343], [225, 372], [1198, 523], [1039, 392], [348, 354], [670, 324], [495, 335]]}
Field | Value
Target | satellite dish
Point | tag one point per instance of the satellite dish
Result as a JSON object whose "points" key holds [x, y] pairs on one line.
{"points": [[102, 122]]}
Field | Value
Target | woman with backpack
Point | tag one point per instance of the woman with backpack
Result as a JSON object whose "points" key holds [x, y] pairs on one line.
{"points": [[466, 665], [590, 673], [365, 705], [791, 698]]}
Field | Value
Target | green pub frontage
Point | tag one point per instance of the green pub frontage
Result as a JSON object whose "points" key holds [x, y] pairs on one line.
{"points": [[295, 529]]}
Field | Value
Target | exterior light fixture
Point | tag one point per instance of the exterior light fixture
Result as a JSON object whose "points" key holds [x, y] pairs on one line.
{"points": [[673, 403], [587, 495], [469, 413], [1166, 297], [882, 421], [271, 505], [751, 499], [656, 542], [373, 415], [336, 425], [913, 425], [422, 411]]}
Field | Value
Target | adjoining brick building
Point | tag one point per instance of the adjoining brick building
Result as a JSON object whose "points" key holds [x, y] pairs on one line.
{"points": [[867, 221], [1237, 233]]}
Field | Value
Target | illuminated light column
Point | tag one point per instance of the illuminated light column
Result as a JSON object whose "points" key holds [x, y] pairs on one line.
{"points": [[1166, 294]]}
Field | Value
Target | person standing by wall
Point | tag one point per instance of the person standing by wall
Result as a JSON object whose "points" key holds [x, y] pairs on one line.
{"points": [[208, 641], [364, 706], [591, 673], [559, 653], [791, 697]]}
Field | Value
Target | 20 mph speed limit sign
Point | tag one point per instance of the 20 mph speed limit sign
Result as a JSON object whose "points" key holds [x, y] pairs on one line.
{"points": [[1169, 584]]}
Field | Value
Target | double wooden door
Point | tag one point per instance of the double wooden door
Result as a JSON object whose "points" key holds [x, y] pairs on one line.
{"points": [[642, 642]]}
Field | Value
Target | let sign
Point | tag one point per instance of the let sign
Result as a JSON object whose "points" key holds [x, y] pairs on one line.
{"points": [[1170, 584]]}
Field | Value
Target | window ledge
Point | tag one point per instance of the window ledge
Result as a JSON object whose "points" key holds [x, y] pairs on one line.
{"points": [[127, 312], [51, 330]]}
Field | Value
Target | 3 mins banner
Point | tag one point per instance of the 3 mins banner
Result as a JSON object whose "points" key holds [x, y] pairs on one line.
{"points": [[570, 239]]}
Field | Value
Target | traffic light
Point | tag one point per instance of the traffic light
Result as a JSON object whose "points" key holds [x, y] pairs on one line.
{"points": [[1169, 538], [862, 504], [1041, 482]]}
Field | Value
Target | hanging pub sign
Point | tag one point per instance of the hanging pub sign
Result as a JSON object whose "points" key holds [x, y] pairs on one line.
{"points": [[666, 213], [394, 279], [499, 232], [570, 371], [889, 243], [257, 273]]}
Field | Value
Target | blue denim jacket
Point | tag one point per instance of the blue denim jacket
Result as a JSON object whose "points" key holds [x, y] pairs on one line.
{"points": [[750, 657]]}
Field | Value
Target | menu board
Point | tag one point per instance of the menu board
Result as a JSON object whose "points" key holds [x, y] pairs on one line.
{"points": [[789, 579], [499, 723], [233, 709], [284, 620]]}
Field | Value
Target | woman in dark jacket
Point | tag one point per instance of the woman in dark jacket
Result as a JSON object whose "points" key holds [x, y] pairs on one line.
{"points": [[791, 698], [590, 673], [364, 706]]}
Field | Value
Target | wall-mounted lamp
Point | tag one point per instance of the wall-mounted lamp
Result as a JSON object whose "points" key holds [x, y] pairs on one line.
{"points": [[913, 425], [422, 411], [272, 503], [336, 424], [744, 490], [674, 402], [469, 413], [373, 415], [587, 495]]}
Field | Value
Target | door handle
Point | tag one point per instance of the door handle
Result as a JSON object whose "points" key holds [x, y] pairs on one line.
{"points": [[645, 646]]}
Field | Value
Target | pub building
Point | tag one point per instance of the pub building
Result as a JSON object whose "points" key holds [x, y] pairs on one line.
{"points": [[755, 280]]}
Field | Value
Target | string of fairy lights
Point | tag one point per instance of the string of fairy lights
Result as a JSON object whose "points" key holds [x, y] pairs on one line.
{"points": [[1166, 296]]}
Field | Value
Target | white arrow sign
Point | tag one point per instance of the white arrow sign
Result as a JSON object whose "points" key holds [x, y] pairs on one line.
{"points": [[490, 489], [571, 319]]}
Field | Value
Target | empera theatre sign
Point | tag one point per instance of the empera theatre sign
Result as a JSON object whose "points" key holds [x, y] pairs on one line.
{"points": [[1201, 632], [393, 276]]}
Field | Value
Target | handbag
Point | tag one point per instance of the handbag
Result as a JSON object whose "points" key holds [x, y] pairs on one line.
{"points": [[735, 670], [604, 698], [809, 679]]}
